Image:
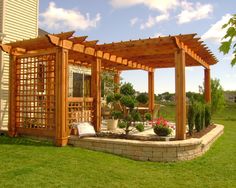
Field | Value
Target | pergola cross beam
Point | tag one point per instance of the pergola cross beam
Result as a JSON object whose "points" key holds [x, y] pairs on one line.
{"points": [[191, 53], [82, 48]]}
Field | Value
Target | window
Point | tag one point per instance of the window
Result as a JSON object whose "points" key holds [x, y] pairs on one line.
{"points": [[87, 85], [79, 82]]}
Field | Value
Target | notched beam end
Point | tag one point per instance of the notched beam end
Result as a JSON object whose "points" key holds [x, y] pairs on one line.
{"points": [[6, 48]]}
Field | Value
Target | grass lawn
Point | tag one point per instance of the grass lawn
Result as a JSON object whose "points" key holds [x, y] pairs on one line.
{"points": [[28, 163]]}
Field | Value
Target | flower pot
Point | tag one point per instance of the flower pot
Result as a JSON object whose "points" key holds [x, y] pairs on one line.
{"points": [[162, 131], [112, 124], [74, 131]]}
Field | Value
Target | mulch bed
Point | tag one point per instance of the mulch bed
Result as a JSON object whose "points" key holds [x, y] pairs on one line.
{"points": [[196, 134]]}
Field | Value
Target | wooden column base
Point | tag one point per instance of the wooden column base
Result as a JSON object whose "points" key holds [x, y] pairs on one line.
{"points": [[12, 133], [61, 142]]}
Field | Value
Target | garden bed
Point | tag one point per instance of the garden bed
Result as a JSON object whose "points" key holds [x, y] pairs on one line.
{"points": [[150, 137], [151, 150], [200, 134]]}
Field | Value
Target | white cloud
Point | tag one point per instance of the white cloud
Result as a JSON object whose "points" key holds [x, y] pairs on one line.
{"points": [[154, 20], [60, 19], [133, 21], [149, 23], [189, 11], [162, 6], [216, 33], [193, 12], [162, 17]]}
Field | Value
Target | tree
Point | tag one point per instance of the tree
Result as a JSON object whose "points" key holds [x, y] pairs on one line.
{"points": [[228, 41], [195, 96], [128, 102], [217, 96], [108, 84]]}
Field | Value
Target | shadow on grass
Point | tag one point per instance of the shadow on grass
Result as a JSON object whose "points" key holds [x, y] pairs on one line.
{"points": [[6, 140]]}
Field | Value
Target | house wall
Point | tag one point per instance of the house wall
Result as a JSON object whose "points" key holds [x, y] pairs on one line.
{"points": [[1, 16], [230, 96], [18, 20]]}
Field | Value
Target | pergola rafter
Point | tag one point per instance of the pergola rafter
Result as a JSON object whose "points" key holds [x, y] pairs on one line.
{"points": [[85, 48], [191, 53]]}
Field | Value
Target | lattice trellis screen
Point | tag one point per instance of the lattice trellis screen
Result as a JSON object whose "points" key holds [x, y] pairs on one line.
{"points": [[80, 110], [35, 91]]}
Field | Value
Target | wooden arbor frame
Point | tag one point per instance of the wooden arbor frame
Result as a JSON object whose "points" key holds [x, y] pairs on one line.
{"points": [[55, 52]]}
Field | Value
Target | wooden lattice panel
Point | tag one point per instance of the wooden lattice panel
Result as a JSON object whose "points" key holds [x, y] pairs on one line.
{"points": [[80, 110], [35, 92]]}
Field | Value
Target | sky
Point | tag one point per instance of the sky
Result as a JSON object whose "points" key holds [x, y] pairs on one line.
{"points": [[120, 20]]}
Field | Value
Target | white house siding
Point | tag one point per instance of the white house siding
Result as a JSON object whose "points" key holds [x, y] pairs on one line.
{"points": [[20, 21], [1, 15]]}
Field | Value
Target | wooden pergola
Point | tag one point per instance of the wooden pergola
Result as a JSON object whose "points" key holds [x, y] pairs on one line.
{"points": [[39, 104]]}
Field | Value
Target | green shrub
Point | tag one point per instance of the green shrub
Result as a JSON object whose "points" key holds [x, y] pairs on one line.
{"points": [[110, 98], [162, 130], [127, 89], [136, 116], [116, 114], [128, 101], [142, 98], [140, 127], [148, 116], [202, 116], [198, 117], [191, 117], [122, 124], [207, 115], [117, 97]]}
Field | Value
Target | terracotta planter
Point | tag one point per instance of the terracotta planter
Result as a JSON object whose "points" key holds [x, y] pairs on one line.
{"points": [[74, 131], [112, 124]]}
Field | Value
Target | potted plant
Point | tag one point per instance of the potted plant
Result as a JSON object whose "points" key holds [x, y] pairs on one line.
{"points": [[113, 100], [112, 123], [73, 128], [161, 127]]}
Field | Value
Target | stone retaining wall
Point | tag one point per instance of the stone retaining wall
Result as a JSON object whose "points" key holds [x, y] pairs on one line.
{"points": [[166, 151]]}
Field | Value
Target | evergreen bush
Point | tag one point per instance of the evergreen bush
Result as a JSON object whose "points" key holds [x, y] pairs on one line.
{"points": [[207, 115], [202, 116], [191, 117], [198, 117]]}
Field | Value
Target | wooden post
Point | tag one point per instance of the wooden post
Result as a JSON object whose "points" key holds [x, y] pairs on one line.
{"points": [[180, 95], [117, 82], [96, 93], [207, 85], [151, 94], [12, 98], [61, 97]]}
